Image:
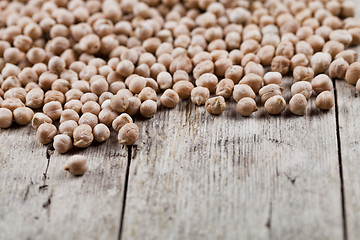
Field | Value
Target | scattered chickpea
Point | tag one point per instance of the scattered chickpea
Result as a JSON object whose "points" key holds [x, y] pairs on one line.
{"points": [[325, 100], [215, 105], [101, 132], [119, 103], [183, 88], [321, 83], [353, 73], [272, 78], [269, 91], [120, 121], [303, 87], [301, 73], [38, 119], [170, 98], [53, 110], [83, 136], [246, 106], [147, 93], [45, 133], [148, 108], [320, 62], [68, 127], [128, 134], [225, 88], [199, 95], [275, 105], [12, 103], [62, 143], [76, 165], [298, 104], [23, 115], [253, 80], [280, 64], [6, 118], [89, 119]]}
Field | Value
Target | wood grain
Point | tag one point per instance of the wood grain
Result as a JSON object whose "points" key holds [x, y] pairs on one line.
{"points": [[59, 206], [349, 128], [197, 176]]}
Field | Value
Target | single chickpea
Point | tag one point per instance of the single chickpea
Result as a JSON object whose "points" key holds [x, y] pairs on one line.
{"points": [[222, 65], [169, 98], [46, 79], [286, 49], [342, 36], [225, 88], [298, 104], [91, 107], [180, 75], [325, 100], [353, 73], [200, 95], [16, 92], [74, 104], [68, 127], [269, 91], [120, 121], [69, 114], [235, 73], [147, 93], [148, 108], [304, 48], [99, 86], [246, 106], [266, 54], [90, 44], [349, 55], [333, 47], [320, 62], [338, 68], [125, 68], [119, 103], [321, 83], [253, 80], [215, 105], [208, 80], [56, 65], [275, 105], [316, 42], [46, 132], [303, 74], [36, 55], [242, 91], [101, 132], [303, 87], [89, 119], [164, 80], [250, 57], [53, 95], [89, 97], [23, 115], [53, 110], [206, 66], [128, 134], [299, 60], [13, 55], [183, 88], [272, 78], [27, 75], [137, 84], [6, 118], [62, 143], [10, 82], [12, 103], [134, 106], [280, 64], [76, 165], [61, 85], [83, 136], [38, 119]]}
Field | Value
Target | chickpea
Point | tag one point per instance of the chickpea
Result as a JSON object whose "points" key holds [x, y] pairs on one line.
{"points": [[349, 55], [206, 66], [13, 55], [62, 143], [299, 60], [235, 73], [200, 95], [353, 73], [23, 115], [46, 79], [134, 106], [53, 110], [46, 133], [253, 80], [83, 136], [27, 75], [183, 88], [89, 97], [246, 106], [90, 44], [61, 85], [286, 49], [320, 62], [303, 74], [125, 68], [269, 91], [169, 98], [137, 84], [222, 65], [54, 95], [147, 93], [215, 105], [298, 104], [89, 119], [272, 78], [16, 92], [74, 104], [316, 42], [10, 82], [12, 103], [99, 86], [38, 119], [101, 132], [68, 127], [128, 134], [148, 108], [6, 118], [358, 86], [76, 165], [338, 68], [164, 80], [275, 105], [180, 75], [321, 83], [120, 121], [325, 100], [302, 87], [266, 54], [119, 103], [280, 64], [225, 88]]}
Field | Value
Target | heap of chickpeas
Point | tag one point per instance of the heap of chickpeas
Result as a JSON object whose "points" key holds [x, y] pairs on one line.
{"points": [[74, 69]]}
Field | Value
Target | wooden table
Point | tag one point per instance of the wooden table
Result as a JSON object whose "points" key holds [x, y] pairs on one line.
{"points": [[194, 176]]}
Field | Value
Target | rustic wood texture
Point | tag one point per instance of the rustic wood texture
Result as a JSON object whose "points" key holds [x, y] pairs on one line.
{"points": [[58, 205], [348, 102], [197, 176]]}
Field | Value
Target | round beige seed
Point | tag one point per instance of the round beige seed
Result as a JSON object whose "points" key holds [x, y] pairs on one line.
{"points": [[62, 143], [101, 132], [119, 103], [275, 105], [298, 104], [53, 110], [325, 100], [269, 91], [6, 118], [148, 108], [215, 105], [338, 68], [183, 88], [128, 134], [76, 165], [120, 121], [68, 127], [170, 98], [353, 73], [272, 78], [46, 133], [89, 119], [83, 136], [302, 87], [200, 95], [38, 119], [321, 83], [225, 88], [246, 106], [23, 115]]}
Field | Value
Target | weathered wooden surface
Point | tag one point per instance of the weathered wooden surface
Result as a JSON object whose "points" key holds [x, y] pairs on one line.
{"points": [[349, 131], [59, 206], [196, 176]]}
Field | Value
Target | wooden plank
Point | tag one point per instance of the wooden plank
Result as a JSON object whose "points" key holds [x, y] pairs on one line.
{"points": [[348, 103], [61, 206], [197, 176]]}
